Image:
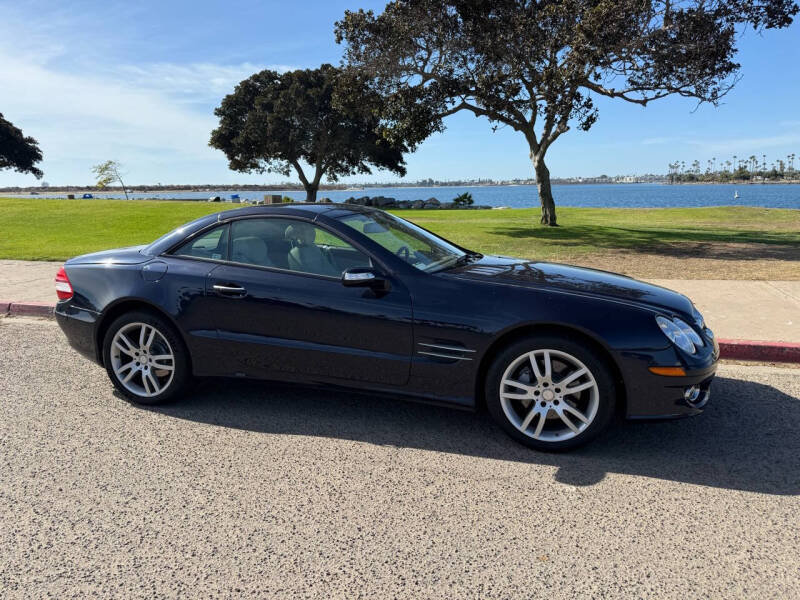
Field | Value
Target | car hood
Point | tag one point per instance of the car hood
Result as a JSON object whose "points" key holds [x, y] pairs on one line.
{"points": [[119, 256], [568, 278]]}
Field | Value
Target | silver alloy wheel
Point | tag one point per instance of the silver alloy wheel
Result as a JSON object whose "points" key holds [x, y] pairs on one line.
{"points": [[549, 395], [142, 359]]}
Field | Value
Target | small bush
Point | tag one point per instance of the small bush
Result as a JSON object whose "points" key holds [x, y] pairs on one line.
{"points": [[464, 199]]}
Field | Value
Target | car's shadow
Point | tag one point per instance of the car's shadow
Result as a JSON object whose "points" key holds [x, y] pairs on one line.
{"points": [[748, 439]]}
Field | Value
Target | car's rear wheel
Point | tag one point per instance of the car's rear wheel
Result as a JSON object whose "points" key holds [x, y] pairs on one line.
{"points": [[551, 392], [145, 358]]}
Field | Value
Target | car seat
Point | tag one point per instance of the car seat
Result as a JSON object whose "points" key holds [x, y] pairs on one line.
{"points": [[250, 250], [305, 255]]}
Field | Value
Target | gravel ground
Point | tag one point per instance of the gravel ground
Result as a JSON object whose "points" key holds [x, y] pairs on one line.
{"points": [[252, 489]]}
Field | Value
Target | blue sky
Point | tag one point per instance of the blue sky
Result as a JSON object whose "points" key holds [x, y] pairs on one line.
{"points": [[138, 82]]}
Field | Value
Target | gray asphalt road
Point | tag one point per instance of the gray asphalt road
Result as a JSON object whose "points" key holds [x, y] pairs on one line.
{"points": [[250, 489]]}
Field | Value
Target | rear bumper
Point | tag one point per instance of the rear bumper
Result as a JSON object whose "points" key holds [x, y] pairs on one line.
{"points": [[79, 325]]}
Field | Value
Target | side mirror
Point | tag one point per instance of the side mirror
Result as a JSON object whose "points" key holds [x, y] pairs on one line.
{"points": [[364, 277]]}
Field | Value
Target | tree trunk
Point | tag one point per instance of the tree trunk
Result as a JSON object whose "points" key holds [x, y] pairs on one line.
{"points": [[310, 187], [545, 191], [122, 183]]}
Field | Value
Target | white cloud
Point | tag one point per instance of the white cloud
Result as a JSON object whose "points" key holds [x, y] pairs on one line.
{"points": [[134, 115], [196, 82], [729, 145], [81, 112], [659, 140], [748, 144]]}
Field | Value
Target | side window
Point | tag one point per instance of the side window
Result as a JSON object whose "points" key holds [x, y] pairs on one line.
{"points": [[211, 244], [292, 245]]}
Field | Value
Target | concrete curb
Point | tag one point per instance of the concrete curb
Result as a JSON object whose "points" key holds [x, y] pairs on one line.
{"points": [[761, 351], [734, 349], [27, 309]]}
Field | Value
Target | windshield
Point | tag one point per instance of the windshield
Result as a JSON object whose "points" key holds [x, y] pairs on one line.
{"points": [[173, 237], [413, 244]]}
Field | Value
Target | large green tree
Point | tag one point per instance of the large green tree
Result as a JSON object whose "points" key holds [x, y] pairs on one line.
{"points": [[536, 66], [322, 118], [17, 151]]}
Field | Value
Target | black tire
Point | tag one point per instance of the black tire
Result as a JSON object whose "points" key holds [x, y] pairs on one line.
{"points": [[181, 375], [596, 364]]}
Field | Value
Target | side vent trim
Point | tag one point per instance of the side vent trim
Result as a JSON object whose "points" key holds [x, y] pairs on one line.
{"points": [[445, 351], [443, 347]]}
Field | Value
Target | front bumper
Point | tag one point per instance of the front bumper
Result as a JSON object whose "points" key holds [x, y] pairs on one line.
{"points": [[651, 396], [79, 325], [679, 397]]}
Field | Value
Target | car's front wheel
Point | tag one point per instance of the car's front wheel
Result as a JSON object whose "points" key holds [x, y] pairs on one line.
{"points": [[551, 392], [145, 358]]}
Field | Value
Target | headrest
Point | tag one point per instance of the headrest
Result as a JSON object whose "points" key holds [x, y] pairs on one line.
{"points": [[302, 233]]}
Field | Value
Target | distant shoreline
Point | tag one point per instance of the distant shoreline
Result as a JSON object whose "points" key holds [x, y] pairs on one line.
{"points": [[514, 196], [737, 182], [355, 190]]}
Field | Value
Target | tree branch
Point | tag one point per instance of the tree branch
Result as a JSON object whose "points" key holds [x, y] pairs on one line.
{"points": [[300, 173], [625, 94], [519, 124]]}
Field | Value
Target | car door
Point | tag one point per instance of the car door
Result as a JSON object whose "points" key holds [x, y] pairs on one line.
{"points": [[183, 291], [281, 310]]}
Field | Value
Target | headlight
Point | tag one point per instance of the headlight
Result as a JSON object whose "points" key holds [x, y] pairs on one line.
{"points": [[675, 334], [689, 332], [698, 318], [701, 323]]}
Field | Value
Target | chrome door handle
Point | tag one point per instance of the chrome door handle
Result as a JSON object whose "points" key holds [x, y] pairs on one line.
{"points": [[230, 290]]}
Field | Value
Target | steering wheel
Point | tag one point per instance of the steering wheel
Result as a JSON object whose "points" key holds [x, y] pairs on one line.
{"points": [[404, 252]]}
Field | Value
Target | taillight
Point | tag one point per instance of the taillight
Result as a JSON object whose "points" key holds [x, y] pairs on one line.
{"points": [[63, 286]]}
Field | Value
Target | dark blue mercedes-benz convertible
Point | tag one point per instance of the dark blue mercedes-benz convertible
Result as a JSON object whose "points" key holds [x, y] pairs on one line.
{"points": [[352, 296]]}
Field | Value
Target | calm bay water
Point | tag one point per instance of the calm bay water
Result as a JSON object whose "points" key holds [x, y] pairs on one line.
{"points": [[639, 195]]}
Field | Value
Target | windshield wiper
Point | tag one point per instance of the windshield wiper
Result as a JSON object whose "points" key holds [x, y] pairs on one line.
{"points": [[470, 256], [467, 258], [450, 263]]}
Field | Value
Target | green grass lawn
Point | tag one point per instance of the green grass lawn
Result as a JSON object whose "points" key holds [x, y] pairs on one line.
{"points": [[52, 229], [589, 230]]}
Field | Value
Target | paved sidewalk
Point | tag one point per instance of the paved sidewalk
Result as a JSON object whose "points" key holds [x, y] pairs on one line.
{"points": [[745, 310], [734, 309], [28, 281]]}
